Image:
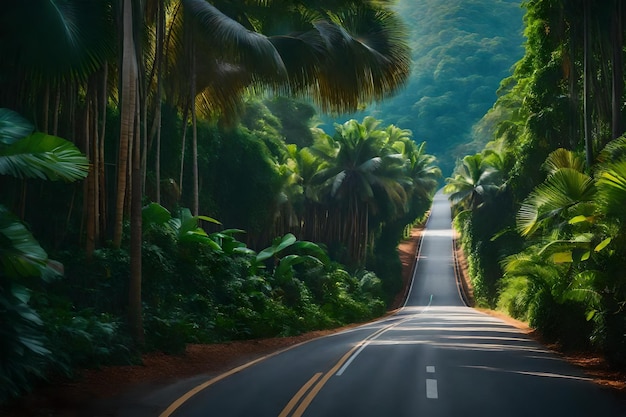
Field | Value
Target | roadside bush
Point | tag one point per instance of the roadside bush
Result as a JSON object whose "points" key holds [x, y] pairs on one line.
{"points": [[85, 338]]}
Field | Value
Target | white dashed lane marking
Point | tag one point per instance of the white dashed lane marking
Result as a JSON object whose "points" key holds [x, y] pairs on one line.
{"points": [[431, 384]]}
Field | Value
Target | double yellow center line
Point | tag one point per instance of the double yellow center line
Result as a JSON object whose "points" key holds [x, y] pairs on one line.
{"points": [[308, 390], [315, 384]]}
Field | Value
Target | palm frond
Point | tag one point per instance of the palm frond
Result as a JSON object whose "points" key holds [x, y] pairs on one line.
{"points": [[63, 40], [253, 49], [563, 158], [13, 126], [368, 58], [612, 190], [44, 156]]}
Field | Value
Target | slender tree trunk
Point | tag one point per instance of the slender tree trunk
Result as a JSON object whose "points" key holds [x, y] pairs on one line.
{"points": [[127, 117], [134, 296], [159, 57], [182, 152], [90, 194], [57, 106], [574, 134], [194, 140], [46, 108], [129, 133], [587, 84], [101, 171], [618, 70]]}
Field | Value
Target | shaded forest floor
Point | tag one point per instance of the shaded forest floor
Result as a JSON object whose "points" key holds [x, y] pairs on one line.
{"points": [[63, 398]]}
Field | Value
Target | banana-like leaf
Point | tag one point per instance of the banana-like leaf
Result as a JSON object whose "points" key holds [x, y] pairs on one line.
{"points": [[278, 245], [311, 249], [155, 214], [284, 272]]}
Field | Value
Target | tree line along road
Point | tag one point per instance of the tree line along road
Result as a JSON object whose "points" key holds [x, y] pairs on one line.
{"points": [[436, 357]]}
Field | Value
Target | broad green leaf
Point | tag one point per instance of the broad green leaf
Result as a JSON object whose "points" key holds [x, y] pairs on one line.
{"points": [[199, 236], [155, 214], [265, 254], [279, 244], [283, 271], [590, 315], [313, 249], [287, 240]]}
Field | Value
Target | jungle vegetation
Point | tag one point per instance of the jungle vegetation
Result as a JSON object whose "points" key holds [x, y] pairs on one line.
{"points": [[541, 207], [461, 51], [162, 186]]}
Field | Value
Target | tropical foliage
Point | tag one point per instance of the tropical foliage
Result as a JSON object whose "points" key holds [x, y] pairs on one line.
{"points": [[558, 126], [170, 104]]}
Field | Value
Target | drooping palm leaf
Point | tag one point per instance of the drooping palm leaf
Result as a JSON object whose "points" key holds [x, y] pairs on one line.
{"points": [[563, 158], [553, 200], [44, 156], [62, 40], [232, 38], [368, 58], [612, 190]]}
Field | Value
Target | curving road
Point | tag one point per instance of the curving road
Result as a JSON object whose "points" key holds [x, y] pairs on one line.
{"points": [[436, 357]]}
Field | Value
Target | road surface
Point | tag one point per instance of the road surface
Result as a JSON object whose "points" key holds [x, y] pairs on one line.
{"points": [[435, 358]]}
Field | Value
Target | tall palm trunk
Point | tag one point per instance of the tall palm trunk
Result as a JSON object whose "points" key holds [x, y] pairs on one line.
{"points": [[617, 44], [128, 111], [587, 82], [101, 171], [134, 296], [160, 36], [129, 134], [194, 137]]}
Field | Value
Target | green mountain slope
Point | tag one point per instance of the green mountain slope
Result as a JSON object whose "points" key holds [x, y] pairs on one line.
{"points": [[462, 49]]}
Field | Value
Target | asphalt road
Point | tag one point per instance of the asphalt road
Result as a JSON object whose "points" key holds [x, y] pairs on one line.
{"points": [[435, 358]]}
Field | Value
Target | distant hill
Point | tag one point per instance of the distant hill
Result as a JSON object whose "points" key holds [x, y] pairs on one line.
{"points": [[462, 49]]}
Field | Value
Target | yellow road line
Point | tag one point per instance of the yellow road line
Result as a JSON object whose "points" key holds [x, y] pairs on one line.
{"points": [[317, 388], [305, 403], [291, 404], [185, 397]]}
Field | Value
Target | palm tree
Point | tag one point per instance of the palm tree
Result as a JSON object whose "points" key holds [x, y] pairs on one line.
{"points": [[232, 47], [566, 193], [362, 177], [366, 39], [473, 182]]}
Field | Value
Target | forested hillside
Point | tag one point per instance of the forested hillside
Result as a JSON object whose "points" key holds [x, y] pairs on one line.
{"points": [[541, 207], [461, 51]]}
